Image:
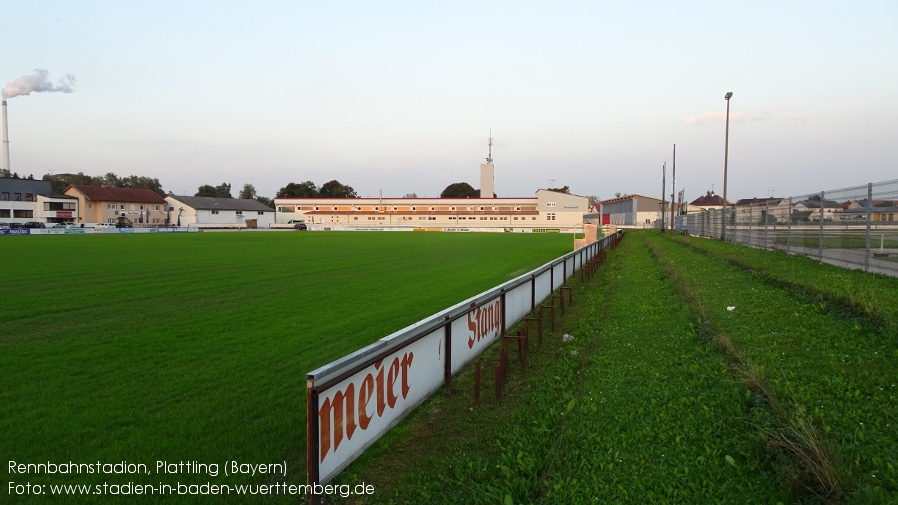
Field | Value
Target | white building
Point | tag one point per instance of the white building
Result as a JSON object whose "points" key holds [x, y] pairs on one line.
{"points": [[209, 212], [547, 211]]}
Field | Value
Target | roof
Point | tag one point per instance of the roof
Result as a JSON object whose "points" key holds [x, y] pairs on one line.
{"points": [[629, 197], [815, 204], [107, 194], [754, 201], [213, 203], [708, 200]]}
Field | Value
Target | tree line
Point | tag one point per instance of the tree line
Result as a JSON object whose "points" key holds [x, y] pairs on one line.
{"points": [[307, 189]]}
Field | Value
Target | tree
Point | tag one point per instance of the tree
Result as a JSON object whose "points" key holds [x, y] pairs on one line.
{"points": [[267, 201], [306, 189], [460, 190], [333, 189], [205, 190], [593, 200], [564, 189], [223, 190], [248, 192], [411, 195], [59, 182]]}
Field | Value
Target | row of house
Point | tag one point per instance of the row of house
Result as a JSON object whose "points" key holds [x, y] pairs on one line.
{"points": [[640, 211], [813, 210], [29, 200]]}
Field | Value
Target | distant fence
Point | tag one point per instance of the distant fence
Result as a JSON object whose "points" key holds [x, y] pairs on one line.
{"points": [[91, 231], [853, 227], [355, 400]]}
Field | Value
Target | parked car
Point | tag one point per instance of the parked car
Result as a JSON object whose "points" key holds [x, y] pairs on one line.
{"points": [[124, 224], [15, 225], [294, 221], [73, 225], [300, 226], [4, 225], [34, 224], [57, 225], [104, 226]]}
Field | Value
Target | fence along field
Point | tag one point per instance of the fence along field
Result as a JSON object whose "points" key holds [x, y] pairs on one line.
{"points": [[855, 227], [357, 399], [193, 347]]}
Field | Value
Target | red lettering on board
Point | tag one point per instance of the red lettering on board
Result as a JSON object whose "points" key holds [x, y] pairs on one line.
{"points": [[484, 322], [337, 415]]}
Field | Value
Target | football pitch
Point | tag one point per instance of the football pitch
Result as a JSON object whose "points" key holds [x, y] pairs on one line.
{"points": [[194, 347]]}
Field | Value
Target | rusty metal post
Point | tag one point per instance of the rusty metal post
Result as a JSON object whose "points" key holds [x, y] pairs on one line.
{"points": [[551, 309], [498, 382], [570, 294], [560, 299], [477, 383]]}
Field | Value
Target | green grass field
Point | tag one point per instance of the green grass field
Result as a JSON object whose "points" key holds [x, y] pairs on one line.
{"points": [[194, 347]]}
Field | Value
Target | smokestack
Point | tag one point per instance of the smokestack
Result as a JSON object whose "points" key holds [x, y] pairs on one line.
{"points": [[5, 142]]}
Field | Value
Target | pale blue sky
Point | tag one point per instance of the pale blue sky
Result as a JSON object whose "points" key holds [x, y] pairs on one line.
{"points": [[401, 96]]}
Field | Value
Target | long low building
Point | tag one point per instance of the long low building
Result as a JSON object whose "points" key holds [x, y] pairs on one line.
{"points": [[546, 211]]}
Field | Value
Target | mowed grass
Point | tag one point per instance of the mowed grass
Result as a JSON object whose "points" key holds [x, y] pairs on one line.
{"points": [[194, 347]]}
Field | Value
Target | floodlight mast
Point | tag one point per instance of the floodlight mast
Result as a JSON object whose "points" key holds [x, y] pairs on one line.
{"points": [[726, 153]]}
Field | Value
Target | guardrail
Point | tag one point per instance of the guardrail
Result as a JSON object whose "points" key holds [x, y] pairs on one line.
{"points": [[355, 400]]}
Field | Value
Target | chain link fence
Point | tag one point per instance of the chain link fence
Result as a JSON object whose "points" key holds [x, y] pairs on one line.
{"points": [[853, 227]]}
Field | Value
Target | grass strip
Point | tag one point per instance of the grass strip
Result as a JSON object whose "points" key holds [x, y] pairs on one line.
{"points": [[829, 371], [874, 296]]}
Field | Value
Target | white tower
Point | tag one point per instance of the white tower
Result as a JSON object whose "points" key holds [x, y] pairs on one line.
{"points": [[487, 177]]}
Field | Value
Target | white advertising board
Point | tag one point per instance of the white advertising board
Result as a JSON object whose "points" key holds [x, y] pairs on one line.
{"points": [[355, 412], [475, 331]]}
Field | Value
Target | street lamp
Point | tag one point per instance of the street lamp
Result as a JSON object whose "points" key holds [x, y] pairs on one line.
{"points": [[726, 152]]}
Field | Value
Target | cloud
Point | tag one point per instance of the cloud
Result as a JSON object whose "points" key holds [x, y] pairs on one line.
{"points": [[38, 83]]}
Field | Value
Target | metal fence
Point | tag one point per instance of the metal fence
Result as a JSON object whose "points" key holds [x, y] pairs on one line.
{"points": [[853, 227]]}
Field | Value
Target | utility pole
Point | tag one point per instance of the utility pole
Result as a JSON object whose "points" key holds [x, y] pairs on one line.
{"points": [[673, 187]]}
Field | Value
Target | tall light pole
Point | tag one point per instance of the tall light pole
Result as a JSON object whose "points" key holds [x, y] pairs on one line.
{"points": [[726, 153]]}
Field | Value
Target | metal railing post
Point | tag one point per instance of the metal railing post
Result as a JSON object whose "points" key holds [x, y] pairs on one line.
{"points": [[820, 238], [867, 234], [789, 228]]}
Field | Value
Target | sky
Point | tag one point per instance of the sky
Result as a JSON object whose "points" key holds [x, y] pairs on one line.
{"points": [[402, 97]]}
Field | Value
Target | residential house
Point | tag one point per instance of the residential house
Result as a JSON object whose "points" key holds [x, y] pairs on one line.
{"points": [[210, 212], [101, 204]]}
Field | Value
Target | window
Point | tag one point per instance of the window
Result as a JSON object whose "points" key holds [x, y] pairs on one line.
{"points": [[354, 218], [29, 197], [4, 196], [261, 212], [239, 212], [215, 211], [123, 207], [155, 207], [23, 213], [550, 204], [141, 207], [90, 206], [4, 213], [110, 206], [17, 197], [550, 216]]}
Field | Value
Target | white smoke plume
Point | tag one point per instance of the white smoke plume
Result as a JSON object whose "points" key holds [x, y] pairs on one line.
{"points": [[38, 83]]}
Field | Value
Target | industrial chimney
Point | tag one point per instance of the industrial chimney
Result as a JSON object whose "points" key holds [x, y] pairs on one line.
{"points": [[5, 142]]}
